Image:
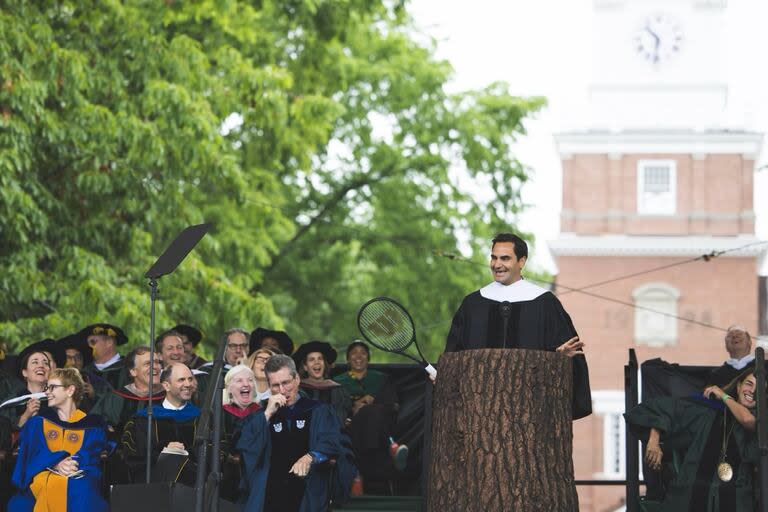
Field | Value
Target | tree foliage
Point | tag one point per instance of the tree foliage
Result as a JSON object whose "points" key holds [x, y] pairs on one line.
{"points": [[316, 135]]}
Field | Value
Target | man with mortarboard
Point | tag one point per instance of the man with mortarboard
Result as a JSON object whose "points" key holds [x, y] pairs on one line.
{"points": [[191, 337], [107, 371], [535, 318], [314, 361]]}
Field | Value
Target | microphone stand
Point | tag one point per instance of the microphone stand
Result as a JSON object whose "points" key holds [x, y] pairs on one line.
{"points": [[173, 255], [211, 405], [152, 300], [506, 312]]}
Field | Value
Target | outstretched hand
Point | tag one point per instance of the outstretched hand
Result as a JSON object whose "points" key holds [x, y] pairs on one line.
{"points": [[572, 347]]}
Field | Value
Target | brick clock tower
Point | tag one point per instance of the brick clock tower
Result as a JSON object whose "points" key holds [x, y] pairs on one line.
{"points": [[655, 177]]}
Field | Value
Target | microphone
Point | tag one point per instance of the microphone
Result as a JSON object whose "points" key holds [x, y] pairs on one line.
{"points": [[506, 311]]}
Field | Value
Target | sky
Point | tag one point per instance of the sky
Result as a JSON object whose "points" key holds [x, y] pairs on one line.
{"points": [[544, 48]]}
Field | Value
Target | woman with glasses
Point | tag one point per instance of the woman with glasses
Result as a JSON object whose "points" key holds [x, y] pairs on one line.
{"points": [[256, 362], [58, 466]]}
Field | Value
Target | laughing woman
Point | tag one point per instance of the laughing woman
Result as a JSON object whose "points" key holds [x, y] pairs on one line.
{"points": [[58, 466], [716, 439]]}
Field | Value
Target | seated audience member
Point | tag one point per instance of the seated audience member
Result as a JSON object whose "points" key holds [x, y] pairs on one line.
{"points": [[715, 437], [78, 355], [285, 445], [175, 423], [738, 343], [33, 366], [170, 346], [119, 405], [276, 341], [314, 361], [256, 362], [191, 337], [374, 413], [107, 371], [239, 402], [239, 399], [236, 351], [58, 466]]}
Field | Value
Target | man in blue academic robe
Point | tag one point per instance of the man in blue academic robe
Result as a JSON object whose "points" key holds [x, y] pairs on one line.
{"points": [[287, 445]]}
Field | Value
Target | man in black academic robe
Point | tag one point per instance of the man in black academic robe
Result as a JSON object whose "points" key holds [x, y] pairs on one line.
{"points": [[514, 313], [107, 371], [119, 405], [175, 423], [738, 343]]}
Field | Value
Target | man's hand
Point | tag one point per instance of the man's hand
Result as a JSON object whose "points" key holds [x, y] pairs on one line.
{"points": [[301, 467], [274, 403], [653, 452], [175, 445], [361, 402], [572, 347]]}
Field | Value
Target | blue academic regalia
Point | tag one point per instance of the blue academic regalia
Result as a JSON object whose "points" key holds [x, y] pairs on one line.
{"points": [[325, 439], [45, 441]]}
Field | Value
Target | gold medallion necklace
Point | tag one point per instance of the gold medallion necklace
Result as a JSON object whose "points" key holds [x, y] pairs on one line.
{"points": [[724, 469]]}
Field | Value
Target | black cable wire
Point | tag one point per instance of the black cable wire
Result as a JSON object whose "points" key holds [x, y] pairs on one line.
{"points": [[703, 257]]}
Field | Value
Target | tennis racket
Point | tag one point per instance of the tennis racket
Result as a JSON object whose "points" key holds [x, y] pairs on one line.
{"points": [[388, 326]]}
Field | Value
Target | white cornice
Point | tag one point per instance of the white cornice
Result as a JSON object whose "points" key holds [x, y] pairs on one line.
{"points": [[627, 245], [660, 142]]}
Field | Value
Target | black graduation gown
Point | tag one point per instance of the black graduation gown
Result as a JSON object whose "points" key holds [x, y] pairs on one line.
{"points": [[538, 324]]}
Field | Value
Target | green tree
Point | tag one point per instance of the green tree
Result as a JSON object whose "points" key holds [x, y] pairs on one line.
{"points": [[316, 135]]}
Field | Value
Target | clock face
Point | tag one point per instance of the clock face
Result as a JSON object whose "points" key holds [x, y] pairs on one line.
{"points": [[658, 39]]}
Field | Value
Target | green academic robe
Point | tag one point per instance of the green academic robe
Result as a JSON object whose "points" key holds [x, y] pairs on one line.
{"points": [[693, 428]]}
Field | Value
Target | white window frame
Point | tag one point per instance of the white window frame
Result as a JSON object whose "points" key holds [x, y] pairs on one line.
{"points": [[665, 301], [610, 405], [670, 204]]}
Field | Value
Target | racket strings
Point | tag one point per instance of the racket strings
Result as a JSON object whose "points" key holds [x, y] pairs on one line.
{"points": [[386, 324]]}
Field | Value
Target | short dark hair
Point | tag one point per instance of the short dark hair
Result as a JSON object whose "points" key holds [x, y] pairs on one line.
{"points": [[521, 248], [166, 334], [278, 362], [130, 359], [358, 343]]}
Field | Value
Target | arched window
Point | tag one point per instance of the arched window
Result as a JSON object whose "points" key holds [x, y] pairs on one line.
{"points": [[655, 322]]}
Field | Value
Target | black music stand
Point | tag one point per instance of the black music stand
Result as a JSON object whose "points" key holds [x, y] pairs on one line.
{"points": [[165, 264]]}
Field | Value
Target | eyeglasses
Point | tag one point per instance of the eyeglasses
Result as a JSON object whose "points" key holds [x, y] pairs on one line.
{"points": [[262, 359], [286, 384], [51, 387], [237, 346]]}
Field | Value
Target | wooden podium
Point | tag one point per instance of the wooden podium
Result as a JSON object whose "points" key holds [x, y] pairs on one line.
{"points": [[502, 436]]}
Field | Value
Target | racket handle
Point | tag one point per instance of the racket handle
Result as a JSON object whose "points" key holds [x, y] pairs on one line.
{"points": [[431, 370]]}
